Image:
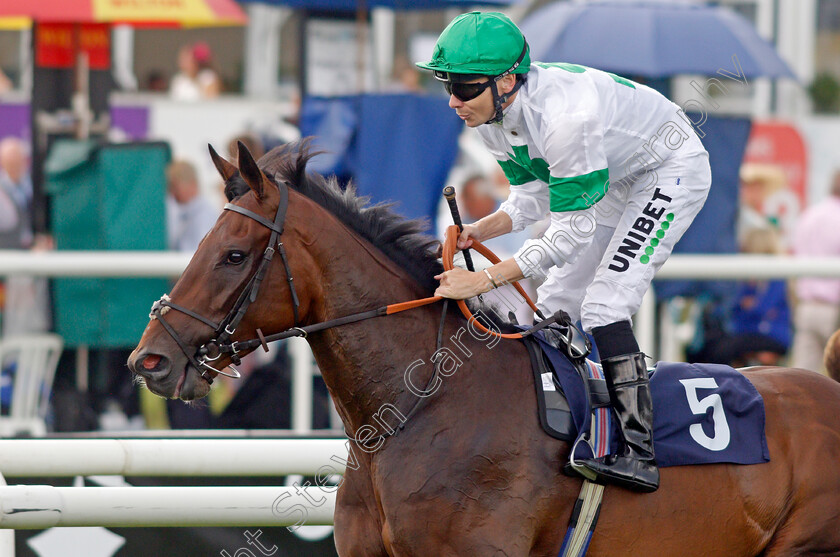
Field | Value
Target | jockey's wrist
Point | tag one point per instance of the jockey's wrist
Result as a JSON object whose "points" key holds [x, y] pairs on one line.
{"points": [[475, 230], [492, 283]]}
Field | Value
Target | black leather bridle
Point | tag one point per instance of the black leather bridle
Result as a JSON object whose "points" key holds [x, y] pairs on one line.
{"points": [[221, 343]]}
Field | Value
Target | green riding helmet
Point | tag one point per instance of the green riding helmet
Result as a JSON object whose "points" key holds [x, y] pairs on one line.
{"points": [[479, 43]]}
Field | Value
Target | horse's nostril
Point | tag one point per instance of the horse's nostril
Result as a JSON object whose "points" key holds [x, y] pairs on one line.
{"points": [[151, 362]]}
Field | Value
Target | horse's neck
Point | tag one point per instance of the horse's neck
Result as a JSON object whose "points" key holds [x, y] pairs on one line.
{"points": [[364, 364]]}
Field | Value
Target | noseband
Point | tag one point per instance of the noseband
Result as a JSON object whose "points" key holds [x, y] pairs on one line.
{"points": [[213, 349]]}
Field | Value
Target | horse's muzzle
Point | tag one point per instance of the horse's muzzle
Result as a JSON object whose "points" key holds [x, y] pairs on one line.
{"points": [[167, 378]]}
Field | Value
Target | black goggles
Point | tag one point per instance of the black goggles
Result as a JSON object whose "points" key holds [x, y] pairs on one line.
{"points": [[466, 91]]}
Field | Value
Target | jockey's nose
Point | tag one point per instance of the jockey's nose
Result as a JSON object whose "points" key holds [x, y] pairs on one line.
{"points": [[455, 102]]}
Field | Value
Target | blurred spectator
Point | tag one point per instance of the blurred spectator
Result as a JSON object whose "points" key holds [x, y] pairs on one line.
{"points": [[184, 84], [156, 81], [196, 78], [761, 318], [15, 195], [6, 84], [758, 183], [817, 313], [208, 76], [251, 141], [189, 215], [476, 198], [406, 77], [25, 298], [755, 329]]}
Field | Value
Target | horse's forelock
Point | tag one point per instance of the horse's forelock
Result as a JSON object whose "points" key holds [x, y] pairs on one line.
{"points": [[287, 163], [235, 187]]}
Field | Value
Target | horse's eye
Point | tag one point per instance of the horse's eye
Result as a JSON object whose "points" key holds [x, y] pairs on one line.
{"points": [[235, 258]]}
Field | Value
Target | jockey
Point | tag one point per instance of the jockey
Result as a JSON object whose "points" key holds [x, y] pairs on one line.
{"points": [[621, 173]]}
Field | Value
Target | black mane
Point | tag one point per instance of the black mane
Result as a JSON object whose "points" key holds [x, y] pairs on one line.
{"points": [[401, 239]]}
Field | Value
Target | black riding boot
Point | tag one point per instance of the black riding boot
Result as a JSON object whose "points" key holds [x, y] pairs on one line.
{"points": [[633, 467]]}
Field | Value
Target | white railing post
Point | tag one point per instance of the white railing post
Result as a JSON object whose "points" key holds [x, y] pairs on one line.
{"points": [[46, 506], [53, 458], [301, 358], [7, 537], [172, 264]]}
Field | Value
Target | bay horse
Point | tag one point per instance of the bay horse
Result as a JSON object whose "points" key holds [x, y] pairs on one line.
{"points": [[471, 473]]}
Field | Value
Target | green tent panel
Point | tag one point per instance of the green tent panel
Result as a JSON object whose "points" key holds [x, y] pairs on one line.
{"points": [[106, 197]]}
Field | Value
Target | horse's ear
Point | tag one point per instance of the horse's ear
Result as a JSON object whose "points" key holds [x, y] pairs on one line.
{"points": [[250, 172], [226, 169]]}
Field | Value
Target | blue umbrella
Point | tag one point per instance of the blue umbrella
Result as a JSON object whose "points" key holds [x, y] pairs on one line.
{"points": [[353, 5], [651, 38]]}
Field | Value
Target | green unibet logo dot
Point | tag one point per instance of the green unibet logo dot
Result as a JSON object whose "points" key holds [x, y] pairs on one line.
{"points": [[644, 259], [649, 250], [669, 217], [654, 241], [666, 225], [660, 234]]}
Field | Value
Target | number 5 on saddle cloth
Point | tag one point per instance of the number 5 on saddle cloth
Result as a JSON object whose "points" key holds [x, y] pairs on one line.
{"points": [[703, 413]]}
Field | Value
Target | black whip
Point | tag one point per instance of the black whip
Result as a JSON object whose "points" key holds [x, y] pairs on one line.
{"points": [[449, 194]]}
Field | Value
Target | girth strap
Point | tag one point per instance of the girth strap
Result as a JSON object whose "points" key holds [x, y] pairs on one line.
{"points": [[583, 521]]}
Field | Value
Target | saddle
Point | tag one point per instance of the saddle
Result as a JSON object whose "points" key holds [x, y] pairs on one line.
{"points": [[555, 414], [703, 413]]}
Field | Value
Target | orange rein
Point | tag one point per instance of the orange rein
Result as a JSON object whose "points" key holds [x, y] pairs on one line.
{"points": [[450, 247]]}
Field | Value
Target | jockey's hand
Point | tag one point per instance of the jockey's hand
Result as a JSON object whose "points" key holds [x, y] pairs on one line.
{"points": [[465, 239], [460, 284]]}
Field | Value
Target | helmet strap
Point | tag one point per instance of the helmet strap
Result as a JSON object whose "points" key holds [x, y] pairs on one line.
{"points": [[499, 100]]}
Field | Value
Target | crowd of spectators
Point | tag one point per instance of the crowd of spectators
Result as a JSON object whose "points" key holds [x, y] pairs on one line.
{"points": [[774, 322]]}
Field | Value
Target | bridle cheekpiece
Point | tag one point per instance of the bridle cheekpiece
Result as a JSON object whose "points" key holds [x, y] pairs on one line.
{"points": [[223, 331]]}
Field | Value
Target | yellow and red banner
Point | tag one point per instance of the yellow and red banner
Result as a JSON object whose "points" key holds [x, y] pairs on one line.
{"points": [[185, 12], [165, 13], [57, 44]]}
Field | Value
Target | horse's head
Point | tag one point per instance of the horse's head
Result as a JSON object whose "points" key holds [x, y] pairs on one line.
{"points": [[253, 250]]}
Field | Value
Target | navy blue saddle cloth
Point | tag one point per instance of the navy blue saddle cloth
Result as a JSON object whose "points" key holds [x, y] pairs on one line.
{"points": [[702, 413]]}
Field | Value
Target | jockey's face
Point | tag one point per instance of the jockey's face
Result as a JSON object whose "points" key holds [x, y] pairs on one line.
{"points": [[476, 111], [480, 109]]}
